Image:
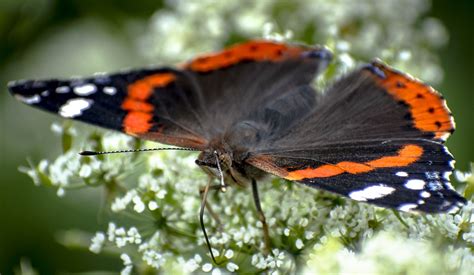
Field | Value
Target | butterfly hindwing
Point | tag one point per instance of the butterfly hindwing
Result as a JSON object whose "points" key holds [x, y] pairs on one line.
{"points": [[403, 174]]}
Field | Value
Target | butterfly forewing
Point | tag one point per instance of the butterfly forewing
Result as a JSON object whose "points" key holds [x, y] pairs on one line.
{"points": [[149, 103]]}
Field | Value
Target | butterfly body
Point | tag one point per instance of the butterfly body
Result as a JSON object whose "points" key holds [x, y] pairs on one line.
{"points": [[376, 135]]}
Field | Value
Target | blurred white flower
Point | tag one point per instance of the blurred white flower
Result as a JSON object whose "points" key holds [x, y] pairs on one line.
{"points": [[207, 267], [127, 262], [97, 242]]}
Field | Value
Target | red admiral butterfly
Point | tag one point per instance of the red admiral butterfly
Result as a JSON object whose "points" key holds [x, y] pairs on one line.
{"points": [[375, 136]]}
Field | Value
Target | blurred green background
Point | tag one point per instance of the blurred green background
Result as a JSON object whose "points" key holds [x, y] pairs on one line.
{"points": [[45, 38]]}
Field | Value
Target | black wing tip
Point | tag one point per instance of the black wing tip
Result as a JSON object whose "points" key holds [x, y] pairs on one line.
{"points": [[16, 86], [12, 84], [26, 87], [29, 88]]}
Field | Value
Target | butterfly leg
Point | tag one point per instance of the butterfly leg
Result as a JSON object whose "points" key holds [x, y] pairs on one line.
{"points": [[261, 217]]}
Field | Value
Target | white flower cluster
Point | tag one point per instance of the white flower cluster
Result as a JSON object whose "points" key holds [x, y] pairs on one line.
{"points": [[159, 191], [390, 253], [70, 170]]}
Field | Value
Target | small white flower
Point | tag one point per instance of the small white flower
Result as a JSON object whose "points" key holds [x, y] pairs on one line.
{"points": [[120, 204], [198, 258], [308, 235], [161, 194], [43, 165], [299, 244], [111, 231], [134, 236], [97, 242], [153, 258], [343, 46], [404, 55], [85, 171], [126, 259], [127, 270], [232, 267], [152, 205], [229, 253], [215, 252], [461, 176], [347, 62], [207, 267], [139, 206], [60, 192], [191, 265], [120, 231]]}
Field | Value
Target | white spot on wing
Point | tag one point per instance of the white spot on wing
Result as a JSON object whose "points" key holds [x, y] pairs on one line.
{"points": [[402, 174], [425, 194], [371, 192], [415, 184], [45, 93], [110, 90], [74, 107], [407, 207], [29, 99], [85, 90], [62, 89], [446, 175]]}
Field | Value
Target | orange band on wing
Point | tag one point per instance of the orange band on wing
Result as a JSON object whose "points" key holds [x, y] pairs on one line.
{"points": [[406, 155], [143, 88], [252, 50], [428, 109], [137, 122], [135, 105], [139, 112]]}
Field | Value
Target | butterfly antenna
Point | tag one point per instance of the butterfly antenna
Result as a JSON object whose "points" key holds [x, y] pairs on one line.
{"points": [[94, 153]]}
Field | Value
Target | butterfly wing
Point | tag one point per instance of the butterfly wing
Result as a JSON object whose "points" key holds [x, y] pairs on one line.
{"points": [[376, 136], [148, 103], [184, 106], [239, 81]]}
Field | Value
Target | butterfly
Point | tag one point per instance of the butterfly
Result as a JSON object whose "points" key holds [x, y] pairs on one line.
{"points": [[376, 135]]}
